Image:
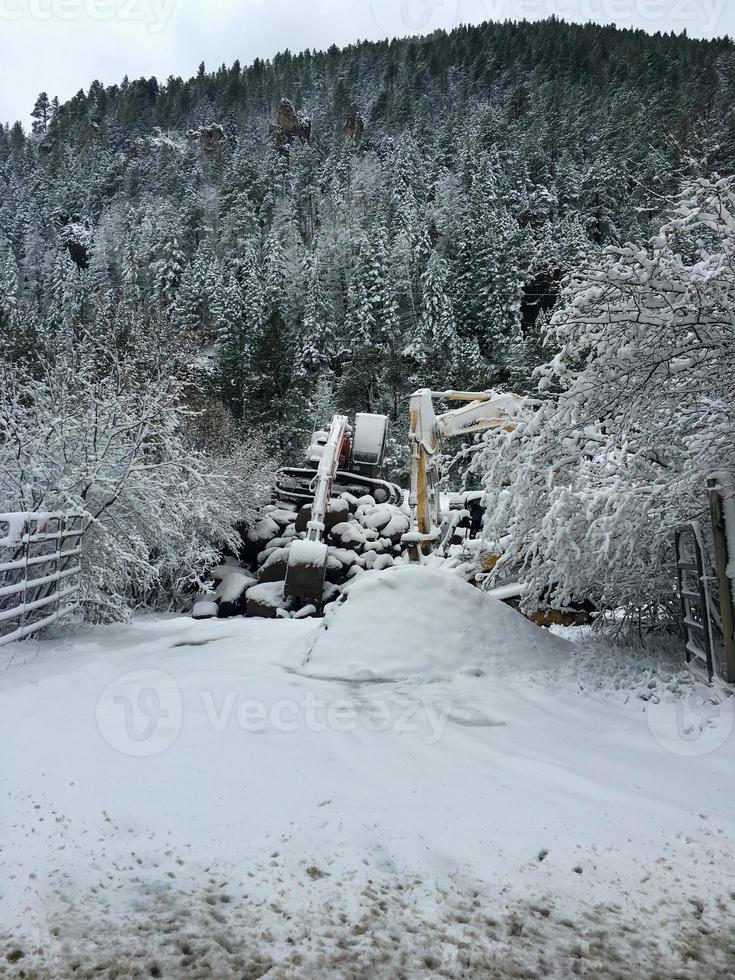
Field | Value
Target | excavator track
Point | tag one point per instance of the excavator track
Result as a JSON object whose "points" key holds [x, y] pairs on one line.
{"points": [[293, 487]]}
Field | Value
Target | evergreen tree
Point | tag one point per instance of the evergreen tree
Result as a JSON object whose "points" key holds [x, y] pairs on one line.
{"points": [[344, 265], [41, 113], [8, 285], [168, 272]]}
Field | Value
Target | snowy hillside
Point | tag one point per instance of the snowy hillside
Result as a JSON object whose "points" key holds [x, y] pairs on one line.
{"points": [[188, 799]]}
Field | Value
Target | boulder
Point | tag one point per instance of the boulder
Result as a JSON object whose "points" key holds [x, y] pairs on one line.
{"points": [[204, 609], [275, 567], [264, 600], [231, 591], [338, 511], [263, 530]]}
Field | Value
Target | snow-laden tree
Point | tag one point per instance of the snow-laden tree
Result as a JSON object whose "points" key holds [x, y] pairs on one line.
{"points": [[168, 271], [8, 284], [106, 426], [637, 411], [371, 324], [438, 355], [318, 327], [489, 271]]}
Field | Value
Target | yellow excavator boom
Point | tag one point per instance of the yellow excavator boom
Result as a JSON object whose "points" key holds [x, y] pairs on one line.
{"points": [[484, 411]]}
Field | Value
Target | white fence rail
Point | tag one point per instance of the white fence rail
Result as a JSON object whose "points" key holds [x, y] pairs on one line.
{"points": [[40, 569]]}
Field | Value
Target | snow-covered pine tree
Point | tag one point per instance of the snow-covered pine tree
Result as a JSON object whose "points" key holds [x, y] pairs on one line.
{"points": [[8, 283], [168, 271], [371, 326], [438, 356], [637, 413], [489, 272]]}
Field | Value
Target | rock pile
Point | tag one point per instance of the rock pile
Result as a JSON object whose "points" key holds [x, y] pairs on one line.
{"points": [[361, 535]]}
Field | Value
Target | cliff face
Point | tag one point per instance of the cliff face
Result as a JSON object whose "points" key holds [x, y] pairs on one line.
{"points": [[209, 138], [355, 124], [291, 127]]}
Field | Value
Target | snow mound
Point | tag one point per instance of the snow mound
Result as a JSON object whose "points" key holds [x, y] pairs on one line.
{"points": [[232, 585], [425, 623]]}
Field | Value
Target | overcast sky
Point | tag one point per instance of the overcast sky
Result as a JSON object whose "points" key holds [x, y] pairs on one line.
{"points": [[60, 46]]}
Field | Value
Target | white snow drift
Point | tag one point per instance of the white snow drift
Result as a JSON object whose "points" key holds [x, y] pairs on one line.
{"points": [[422, 622], [178, 801]]}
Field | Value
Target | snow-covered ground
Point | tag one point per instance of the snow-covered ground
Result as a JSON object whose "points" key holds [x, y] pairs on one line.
{"points": [[470, 797]]}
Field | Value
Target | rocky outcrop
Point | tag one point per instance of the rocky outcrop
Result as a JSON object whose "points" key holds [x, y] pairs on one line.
{"points": [[291, 128], [132, 151], [75, 234], [209, 138], [355, 124]]}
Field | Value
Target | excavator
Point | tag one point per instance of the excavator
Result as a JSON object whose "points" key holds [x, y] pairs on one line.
{"points": [[432, 529], [348, 459], [485, 411]]}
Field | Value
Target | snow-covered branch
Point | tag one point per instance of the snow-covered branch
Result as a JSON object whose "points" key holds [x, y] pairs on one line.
{"points": [[639, 410]]}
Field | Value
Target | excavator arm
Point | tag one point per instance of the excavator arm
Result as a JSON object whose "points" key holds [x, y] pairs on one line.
{"points": [[484, 411], [307, 559]]}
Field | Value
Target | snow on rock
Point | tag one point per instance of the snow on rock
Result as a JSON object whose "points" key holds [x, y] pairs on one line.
{"points": [[233, 585], [305, 612], [282, 542], [358, 533], [274, 567], [265, 599], [349, 533], [282, 517], [347, 557], [350, 500], [338, 510], [379, 517], [263, 555], [264, 530], [397, 526], [204, 609], [415, 621], [383, 520], [330, 592]]}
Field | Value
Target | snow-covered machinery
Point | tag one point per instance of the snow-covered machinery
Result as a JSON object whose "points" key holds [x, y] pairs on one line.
{"points": [[307, 558], [348, 459], [336, 517], [431, 529], [359, 467]]}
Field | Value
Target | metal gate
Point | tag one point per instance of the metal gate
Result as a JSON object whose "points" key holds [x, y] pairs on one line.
{"points": [[696, 606], [40, 570]]}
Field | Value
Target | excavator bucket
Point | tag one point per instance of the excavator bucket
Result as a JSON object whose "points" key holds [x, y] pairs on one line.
{"points": [[307, 568]]}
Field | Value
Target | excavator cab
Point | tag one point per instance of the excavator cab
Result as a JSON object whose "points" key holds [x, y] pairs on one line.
{"points": [[368, 444]]}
